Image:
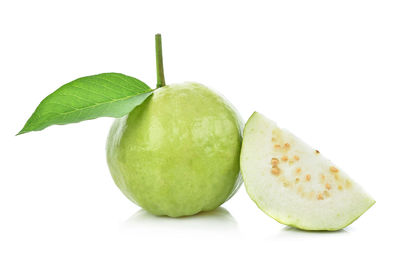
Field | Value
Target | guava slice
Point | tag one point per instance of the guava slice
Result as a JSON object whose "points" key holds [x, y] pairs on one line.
{"points": [[293, 183]]}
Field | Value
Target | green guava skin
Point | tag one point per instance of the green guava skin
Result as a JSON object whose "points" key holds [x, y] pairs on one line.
{"points": [[178, 153]]}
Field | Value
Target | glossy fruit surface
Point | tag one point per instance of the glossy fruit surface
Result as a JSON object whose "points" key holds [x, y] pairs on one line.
{"points": [[177, 153]]}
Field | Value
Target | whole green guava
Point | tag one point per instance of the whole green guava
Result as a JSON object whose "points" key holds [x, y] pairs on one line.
{"points": [[178, 153]]}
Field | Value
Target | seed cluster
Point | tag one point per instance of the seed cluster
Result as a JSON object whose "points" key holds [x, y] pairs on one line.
{"points": [[275, 169], [327, 184]]}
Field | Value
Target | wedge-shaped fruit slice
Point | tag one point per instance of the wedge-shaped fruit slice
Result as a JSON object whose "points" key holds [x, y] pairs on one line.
{"points": [[295, 184]]}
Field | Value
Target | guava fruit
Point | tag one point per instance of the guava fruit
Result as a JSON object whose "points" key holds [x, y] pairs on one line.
{"points": [[177, 153], [295, 184]]}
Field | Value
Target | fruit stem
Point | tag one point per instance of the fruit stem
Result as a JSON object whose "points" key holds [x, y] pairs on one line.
{"points": [[159, 62]]}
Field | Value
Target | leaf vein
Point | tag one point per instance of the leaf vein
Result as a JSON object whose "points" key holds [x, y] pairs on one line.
{"points": [[94, 105]]}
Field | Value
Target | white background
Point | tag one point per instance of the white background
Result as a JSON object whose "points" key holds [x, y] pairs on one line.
{"points": [[329, 71]]}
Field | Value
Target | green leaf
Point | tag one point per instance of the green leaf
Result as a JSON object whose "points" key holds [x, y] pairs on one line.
{"points": [[103, 95]]}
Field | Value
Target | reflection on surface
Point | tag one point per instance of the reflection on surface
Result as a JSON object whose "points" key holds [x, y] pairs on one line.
{"points": [[217, 221], [295, 232]]}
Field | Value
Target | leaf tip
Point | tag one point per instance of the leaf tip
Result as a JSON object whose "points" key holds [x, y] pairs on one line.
{"points": [[24, 129], [21, 132]]}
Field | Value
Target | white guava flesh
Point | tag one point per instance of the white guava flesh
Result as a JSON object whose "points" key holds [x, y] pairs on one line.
{"points": [[293, 183]]}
